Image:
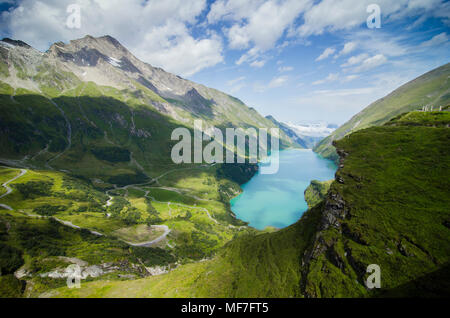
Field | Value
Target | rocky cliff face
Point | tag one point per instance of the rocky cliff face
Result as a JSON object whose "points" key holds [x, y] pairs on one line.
{"points": [[333, 211], [379, 211]]}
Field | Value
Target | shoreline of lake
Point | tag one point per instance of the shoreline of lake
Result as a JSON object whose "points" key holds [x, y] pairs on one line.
{"points": [[278, 200]]}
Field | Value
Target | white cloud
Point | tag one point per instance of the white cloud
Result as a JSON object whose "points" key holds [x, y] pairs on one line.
{"points": [[283, 69], [397, 48], [250, 55], [335, 15], [278, 81], [350, 78], [371, 63], [345, 92], [330, 78], [235, 81], [237, 37], [258, 63], [339, 105], [232, 10], [237, 88], [236, 84], [185, 55], [334, 107], [354, 60], [326, 53], [348, 48], [381, 42], [256, 24], [423, 4], [332, 15], [436, 40], [155, 31], [160, 32]]}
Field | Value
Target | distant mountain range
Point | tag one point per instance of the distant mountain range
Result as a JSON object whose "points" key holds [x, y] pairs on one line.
{"points": [[312, 133], [313, 129], [306, 135], [299, 142]]}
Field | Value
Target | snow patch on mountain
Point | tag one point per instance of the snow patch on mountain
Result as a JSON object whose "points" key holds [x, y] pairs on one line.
{"points": [[314, 129], [114, 62]]}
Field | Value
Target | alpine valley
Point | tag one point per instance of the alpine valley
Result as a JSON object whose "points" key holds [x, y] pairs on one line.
{"points": [[87, 179]]}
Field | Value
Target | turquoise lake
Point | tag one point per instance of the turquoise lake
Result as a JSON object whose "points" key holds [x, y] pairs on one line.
{"points": [[277, 199]]}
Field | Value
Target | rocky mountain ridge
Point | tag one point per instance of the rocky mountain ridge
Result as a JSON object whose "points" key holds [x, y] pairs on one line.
{"points": [[106, 62]]}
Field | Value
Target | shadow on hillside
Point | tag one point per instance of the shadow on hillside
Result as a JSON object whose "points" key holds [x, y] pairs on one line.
{"points": [[31, 123], [433, 285]]}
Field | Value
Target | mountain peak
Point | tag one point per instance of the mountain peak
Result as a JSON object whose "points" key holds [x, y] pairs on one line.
{"points": [[105, 39], [87, 51], [16, 43], [111, 40], [105, 44]]}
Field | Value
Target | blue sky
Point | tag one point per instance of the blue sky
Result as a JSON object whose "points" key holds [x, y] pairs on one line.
{"points": [[299, 60]]}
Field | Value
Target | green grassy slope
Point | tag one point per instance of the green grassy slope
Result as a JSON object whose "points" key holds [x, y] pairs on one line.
{"points": [[97, 123], [40, 246], [316, 192], [431, 89], [41, 200], [262, 265], [389, 206]]}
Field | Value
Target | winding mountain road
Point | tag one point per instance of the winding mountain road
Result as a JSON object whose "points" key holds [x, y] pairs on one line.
{"points": [[70, 224], [109, 202], [8, 189], [156, 240]]}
